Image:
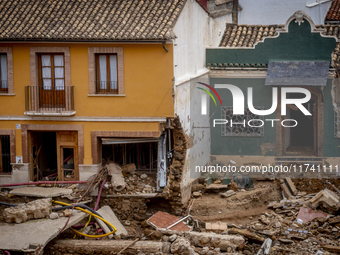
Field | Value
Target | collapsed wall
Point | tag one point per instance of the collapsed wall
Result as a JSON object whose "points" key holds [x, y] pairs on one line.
{"points": [[173, 190]]}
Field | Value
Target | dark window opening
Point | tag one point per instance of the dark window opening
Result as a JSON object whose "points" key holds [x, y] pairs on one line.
{"points": [[143, 155], [44, 155], [68, 162], [5, 155]]}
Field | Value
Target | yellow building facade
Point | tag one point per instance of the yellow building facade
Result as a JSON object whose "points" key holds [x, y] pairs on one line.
{"points": [[79, 89], [146, 100]]}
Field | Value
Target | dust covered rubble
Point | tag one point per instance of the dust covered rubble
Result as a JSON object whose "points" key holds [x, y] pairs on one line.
{"points": [[317, 233]]}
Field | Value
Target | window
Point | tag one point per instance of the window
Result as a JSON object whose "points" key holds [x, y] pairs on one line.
{"points": [[106, 73], [248, 124], [51, 71], [5, 155], [3, 74]]}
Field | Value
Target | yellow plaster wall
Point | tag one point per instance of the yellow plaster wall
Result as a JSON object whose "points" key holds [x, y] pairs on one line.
{"points": [[148, 74]]}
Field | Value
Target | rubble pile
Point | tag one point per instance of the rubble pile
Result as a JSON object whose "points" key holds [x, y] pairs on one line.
{"points": [[137, 183], [132, 209]]}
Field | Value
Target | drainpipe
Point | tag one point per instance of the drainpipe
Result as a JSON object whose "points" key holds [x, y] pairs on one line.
{"points": [[320, 21], [235, 12]]}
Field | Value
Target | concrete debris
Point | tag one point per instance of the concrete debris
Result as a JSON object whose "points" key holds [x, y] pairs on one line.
{"points": [[197, 194], [41, 192], [265, 248], [127, 169], [117, 178], [197, 187], [34, 235], [107, 214], [331, 248], [326, 199], [334, 220], [107, 247], [54, 216], [143, 176], [182, 246], [172, 238], [252, 236], [202, 239], [67, 213], [216, 187], [244, 181], [233, 186], [36, 209], [222, 226], [228, 193]]}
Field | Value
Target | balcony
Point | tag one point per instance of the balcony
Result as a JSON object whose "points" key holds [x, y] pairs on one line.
{"points": [[49, 101]]}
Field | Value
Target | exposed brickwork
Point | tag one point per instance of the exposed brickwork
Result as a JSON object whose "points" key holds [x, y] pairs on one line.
{"points": [[92, 67], [95, 135], [8, 51], [173, 189], [40, 127], [11, 133]]}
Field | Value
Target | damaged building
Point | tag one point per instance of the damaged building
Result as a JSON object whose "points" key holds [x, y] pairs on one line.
{"points": [[101, 92], [108, 108], [266, 63]]}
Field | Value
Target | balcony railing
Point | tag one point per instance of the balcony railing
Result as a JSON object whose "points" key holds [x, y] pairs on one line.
{"points": [[49, 99], [107, 87]]}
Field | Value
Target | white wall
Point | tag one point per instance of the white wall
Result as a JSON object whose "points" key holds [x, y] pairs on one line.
{"points": [[195, 31], [270, 12]]}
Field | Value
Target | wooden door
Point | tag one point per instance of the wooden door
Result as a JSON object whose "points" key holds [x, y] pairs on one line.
{"points": [[51, 81], [67, 155]]}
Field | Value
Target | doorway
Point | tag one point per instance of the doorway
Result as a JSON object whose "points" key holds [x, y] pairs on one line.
{"points": [[53, 155], [301, 140]]}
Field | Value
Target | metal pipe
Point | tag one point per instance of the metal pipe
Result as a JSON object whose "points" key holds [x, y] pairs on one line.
{"points": [[178, 222], [99, 195], [41, 182], [7, 204], [163, 43]]}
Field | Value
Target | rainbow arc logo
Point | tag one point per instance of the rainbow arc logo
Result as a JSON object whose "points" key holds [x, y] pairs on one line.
{"points": [[204, 98]]}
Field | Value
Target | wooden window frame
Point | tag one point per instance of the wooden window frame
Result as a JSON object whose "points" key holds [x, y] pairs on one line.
{"points": [[40, 79], [108, 89], [4, 90], [92, 51], [10, 84]]}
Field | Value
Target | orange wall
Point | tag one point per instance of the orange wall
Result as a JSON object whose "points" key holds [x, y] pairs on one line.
{"points": [[148, 74]]}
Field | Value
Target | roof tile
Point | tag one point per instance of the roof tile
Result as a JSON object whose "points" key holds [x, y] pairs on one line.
{"points": [[246, 36], [88, 19]]}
